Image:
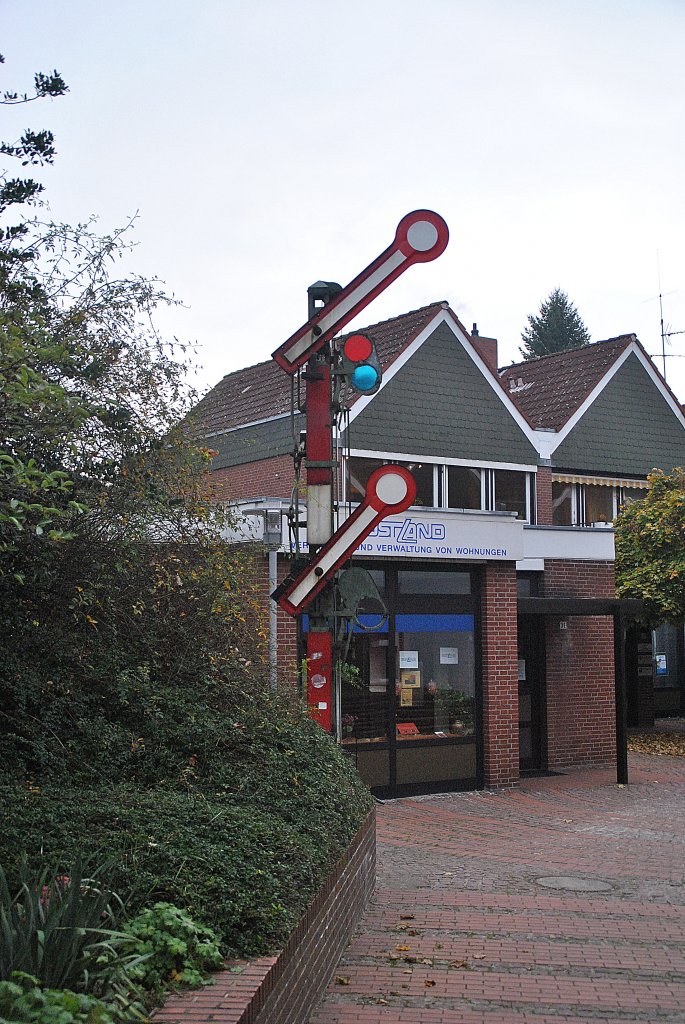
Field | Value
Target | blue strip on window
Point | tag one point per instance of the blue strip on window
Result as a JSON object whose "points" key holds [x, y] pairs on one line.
{"points": [[372, 624], [412, 624], [434, 623]]}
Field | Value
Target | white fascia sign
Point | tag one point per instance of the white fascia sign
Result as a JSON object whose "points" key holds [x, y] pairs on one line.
{"points": [[453, 536]]}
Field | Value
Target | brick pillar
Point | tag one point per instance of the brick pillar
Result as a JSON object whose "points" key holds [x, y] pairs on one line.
{"points": [[543, 489], [500, 675]]}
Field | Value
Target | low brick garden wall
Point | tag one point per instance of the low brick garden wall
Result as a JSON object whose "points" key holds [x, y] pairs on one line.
{"points": [[284, 989]]}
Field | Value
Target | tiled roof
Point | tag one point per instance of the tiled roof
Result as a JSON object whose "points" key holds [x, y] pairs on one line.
{"points": [[263, 391], [550, 389]]}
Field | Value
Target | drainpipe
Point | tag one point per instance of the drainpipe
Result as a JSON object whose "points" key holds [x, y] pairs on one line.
{"points": [[273, 538], [273, 619]]}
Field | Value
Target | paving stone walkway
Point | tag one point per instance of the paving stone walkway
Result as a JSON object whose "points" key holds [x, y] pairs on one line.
{"points": [[461, 929]]}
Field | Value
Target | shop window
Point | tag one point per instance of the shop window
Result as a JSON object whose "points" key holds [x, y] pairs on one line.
{"points": [[528, 584], [510, 492], [667, 658], [364, 681], [434, 688], [562, 504], [464, 487], [420, 582]]}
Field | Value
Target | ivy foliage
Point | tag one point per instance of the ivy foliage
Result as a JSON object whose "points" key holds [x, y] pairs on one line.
{"points": [[650, 548]]}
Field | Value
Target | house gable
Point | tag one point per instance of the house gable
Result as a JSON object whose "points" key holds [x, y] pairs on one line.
{"points": [[442, 402], [629, 428]]}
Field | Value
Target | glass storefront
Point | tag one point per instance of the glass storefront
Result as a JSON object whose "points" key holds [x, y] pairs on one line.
{"points": [[409, 695]]}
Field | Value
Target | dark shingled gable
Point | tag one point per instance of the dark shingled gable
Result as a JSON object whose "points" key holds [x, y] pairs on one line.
{"points": [[620, 435], [440, 404]]}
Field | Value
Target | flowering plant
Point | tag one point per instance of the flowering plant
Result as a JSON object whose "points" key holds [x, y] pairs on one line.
{"points": [[348, 720]]}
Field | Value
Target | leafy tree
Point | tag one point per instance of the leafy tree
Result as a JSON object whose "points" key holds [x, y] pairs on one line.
{"points": [[119, 601], [556, 328], [32, 149], [650, 548]]}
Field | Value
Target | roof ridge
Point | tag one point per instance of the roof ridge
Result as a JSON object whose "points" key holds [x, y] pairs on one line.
{"points": [[567, 351], [438, 304]]}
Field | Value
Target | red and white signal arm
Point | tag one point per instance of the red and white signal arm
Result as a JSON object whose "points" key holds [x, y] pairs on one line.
{"points": [[391, 489], [421, 236]]}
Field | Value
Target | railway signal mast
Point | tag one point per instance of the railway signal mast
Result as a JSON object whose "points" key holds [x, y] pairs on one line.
{"points": [[312, 350]]}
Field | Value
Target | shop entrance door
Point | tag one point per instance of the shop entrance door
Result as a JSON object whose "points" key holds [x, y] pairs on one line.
{"points": [[531, 679]]}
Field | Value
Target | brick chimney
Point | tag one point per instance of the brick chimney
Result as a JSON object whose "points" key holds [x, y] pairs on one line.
{"points": [[485, 347]]}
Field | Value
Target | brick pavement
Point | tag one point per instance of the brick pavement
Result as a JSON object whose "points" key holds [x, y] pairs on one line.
{"points": [[461, 931]]}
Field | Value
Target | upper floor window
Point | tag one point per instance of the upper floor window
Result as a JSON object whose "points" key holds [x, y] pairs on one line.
{"points": [[455, 487], [586, 503], [509, 489], [464, 487], [360, 469]]}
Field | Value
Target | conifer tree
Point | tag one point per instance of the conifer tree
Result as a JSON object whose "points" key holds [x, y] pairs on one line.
{"points": [[557, 327]]}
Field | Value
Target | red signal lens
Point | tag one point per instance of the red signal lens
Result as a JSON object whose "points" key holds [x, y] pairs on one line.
{"points": [[357, 348]]}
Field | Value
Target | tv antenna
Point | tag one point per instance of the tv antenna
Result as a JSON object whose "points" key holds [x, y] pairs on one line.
{"points": [[665, 328]]}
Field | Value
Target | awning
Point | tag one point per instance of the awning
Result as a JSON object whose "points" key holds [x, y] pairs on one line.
{"points": [[598, 481]]}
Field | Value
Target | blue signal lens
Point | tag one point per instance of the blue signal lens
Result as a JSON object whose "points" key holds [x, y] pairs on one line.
{"points": [[365, 378]]}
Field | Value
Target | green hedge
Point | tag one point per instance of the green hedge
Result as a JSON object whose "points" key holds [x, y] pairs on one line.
{"points": [[242, 844]]}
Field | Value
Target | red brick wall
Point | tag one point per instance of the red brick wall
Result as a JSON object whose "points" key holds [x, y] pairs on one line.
{"points": [[575, 578], [581, 725], [543, 488], [500, 676], [272, 478]]}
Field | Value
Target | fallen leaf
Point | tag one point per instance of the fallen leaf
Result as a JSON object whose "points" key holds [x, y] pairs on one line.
{"points": [[429, 983], [406, 972], [407, 917], [426, 960], [479, 956], [659, 743], [340, 980], [382, 1002], [403, 948], [459, 963]]}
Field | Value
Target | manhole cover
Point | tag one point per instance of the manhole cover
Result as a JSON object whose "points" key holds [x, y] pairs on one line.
{"points": [[576, 884]]}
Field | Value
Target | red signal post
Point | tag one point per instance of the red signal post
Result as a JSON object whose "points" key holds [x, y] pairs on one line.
{"points": [[421, 236]]}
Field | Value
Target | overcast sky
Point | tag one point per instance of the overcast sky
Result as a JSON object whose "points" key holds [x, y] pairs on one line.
{"points": [[269, 143]]}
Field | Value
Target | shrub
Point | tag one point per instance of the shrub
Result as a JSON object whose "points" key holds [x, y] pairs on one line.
{"points": [[176, 949], [23, 1000], [60, 929], [246, 870]]}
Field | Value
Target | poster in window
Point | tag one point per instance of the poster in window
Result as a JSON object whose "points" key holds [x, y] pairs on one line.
{"points": [[661, 669], [406, 697], [449, 655], [409, 659], [410, 679]]}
